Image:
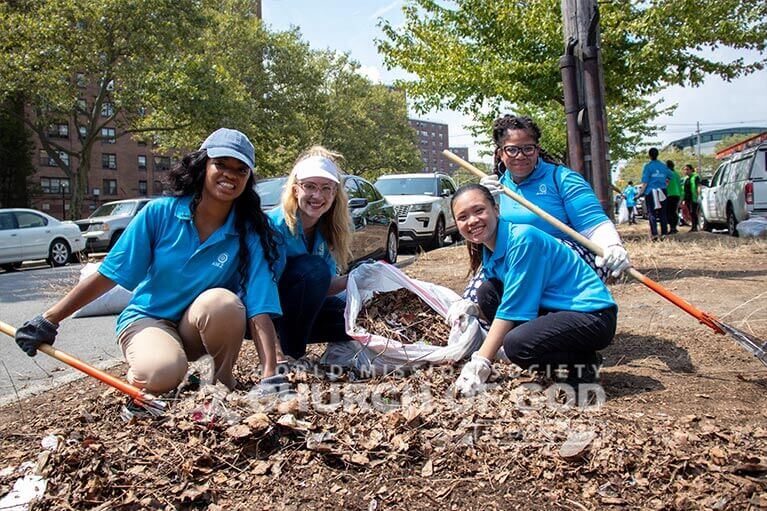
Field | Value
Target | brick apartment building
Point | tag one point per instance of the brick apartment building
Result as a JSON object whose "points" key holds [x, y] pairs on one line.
{"points": [[432, 140], [121, 168]]}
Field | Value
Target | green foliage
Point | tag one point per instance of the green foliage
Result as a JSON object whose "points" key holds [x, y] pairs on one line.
{"points": [[175, 70], [15, 156], [489, 56], [732, 140], [681, 157]]}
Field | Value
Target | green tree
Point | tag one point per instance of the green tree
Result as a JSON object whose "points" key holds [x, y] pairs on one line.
{"points": [[732, 140], [125, 54], [485, 55], [632, 171], [15, 155]]}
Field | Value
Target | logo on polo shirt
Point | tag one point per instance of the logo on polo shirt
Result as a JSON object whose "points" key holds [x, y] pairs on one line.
{"points": [[541, 189], [321, 249], [221, 261]]}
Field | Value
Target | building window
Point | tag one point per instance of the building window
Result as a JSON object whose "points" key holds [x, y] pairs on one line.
{"points": [[108, 161], [47, 161], [141, 162], [108, 135], [162, 163], [82, 105], [58, 130], [80, 80], [142, 187], [54, 185], [109, 186], [83, 131], [141, 143], [107, 109]]}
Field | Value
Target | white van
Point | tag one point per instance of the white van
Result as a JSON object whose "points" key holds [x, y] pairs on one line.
{"points": [[737, 191]]}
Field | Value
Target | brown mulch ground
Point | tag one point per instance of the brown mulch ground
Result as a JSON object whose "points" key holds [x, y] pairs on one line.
{"points": [[683, 426]]}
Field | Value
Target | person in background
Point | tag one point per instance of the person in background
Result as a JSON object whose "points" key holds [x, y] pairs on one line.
{"points": [[655, 178], [673, 193], [186, 257], [548, 310], [630, 193], [690, 194], [525, 168], [314, 222]]}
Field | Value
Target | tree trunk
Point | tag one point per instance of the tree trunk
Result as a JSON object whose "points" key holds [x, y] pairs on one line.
{"points": [[79, 187]]}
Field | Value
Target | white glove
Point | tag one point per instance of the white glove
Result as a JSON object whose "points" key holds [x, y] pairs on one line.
{"points": [[459, 313], [473, 376], [491, 182], [615, 259], [364, 271]]}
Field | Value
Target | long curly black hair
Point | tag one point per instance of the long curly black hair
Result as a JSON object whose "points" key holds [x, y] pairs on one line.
{"points": [[188, 178], [514, 122]]}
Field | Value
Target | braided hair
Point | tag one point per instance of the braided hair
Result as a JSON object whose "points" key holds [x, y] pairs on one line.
{"points": [[188, 178], [514, 122]]}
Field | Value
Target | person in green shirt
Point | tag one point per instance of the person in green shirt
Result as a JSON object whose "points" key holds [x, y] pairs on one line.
{"points": [[673, 194], [691, 187]]}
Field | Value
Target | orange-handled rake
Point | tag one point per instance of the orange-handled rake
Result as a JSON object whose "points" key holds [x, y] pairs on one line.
{"points": [[750, 343], [153, 405]]}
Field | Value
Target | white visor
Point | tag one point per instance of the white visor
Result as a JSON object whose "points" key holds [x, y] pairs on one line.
{"points": [[317, 166]]}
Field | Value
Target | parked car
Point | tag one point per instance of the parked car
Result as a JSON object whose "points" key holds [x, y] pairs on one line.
{"points": [[375, 224], [104, 227], [27, 234], [737, 191], [422, 203]]}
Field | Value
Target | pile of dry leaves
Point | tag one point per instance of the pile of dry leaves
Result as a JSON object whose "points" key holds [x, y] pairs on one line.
{"points": [[402, 316], [385, 443]]}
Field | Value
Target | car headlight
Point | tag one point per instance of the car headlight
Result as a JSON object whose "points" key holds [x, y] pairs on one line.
{"points": [[98, 227], [422, 207]]}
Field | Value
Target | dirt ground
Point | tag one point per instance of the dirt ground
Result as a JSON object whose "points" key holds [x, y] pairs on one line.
{"points": [[683, 425]]}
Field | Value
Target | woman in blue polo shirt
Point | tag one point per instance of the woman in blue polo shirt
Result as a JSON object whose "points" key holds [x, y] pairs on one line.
{"points": [[547, 308], [313, 220], [182, 256], [525, 168]]}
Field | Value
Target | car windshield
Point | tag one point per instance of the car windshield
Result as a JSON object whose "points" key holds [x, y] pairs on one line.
{"points": [[270, 191], [406, 186], [115, 209]]}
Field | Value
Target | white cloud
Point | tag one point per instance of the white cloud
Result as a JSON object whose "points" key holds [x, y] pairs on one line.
{"points": [[383, 10], [370, 72]]}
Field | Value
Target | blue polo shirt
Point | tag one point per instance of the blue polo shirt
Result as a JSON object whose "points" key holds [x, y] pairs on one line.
{"points": [[539, 272], [630, 192], [570, 199], [292, 245], [655, 175], [160, 258]]}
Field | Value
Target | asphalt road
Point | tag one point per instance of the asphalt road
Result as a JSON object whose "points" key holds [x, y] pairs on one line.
{"points": [[23, 295]]}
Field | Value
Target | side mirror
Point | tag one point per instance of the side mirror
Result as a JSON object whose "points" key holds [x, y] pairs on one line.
{"points": [[445, 193], [705, 182], [357, 203]]}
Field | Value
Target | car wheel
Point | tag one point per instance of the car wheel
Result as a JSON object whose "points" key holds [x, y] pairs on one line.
{"points": [[392, 246], [703, 223], [11, 266], [438, 241], [732, 223], [58, 254]]}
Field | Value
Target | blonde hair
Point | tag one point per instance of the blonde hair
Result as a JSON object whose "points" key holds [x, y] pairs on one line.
{"points": [[334, 223]]}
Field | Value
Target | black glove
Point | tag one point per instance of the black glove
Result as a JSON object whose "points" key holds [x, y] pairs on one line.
{"points": [[35, 332]]}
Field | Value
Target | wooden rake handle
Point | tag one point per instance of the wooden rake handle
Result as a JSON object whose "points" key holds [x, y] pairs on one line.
{"points": [[104, 377], [703, 317]]}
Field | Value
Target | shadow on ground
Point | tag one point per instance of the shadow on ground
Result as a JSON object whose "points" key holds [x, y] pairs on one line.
{"points": [[628, 348]]}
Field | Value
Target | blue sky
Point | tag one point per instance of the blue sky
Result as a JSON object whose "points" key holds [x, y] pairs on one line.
{"points": [[352, 26]]}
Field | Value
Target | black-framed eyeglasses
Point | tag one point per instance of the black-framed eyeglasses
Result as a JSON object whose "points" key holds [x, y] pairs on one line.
{"points": [[513, 150]]}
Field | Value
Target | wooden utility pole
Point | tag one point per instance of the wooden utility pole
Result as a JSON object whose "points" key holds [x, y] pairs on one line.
{"points": [[581, 36]]}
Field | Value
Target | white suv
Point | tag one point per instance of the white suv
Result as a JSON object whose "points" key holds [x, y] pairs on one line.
{"points": [[422, 205], [737, 191], [104, 227]]}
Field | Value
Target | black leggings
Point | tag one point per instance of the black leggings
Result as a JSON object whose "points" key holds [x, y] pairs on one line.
{"points": [[553, 339]]}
